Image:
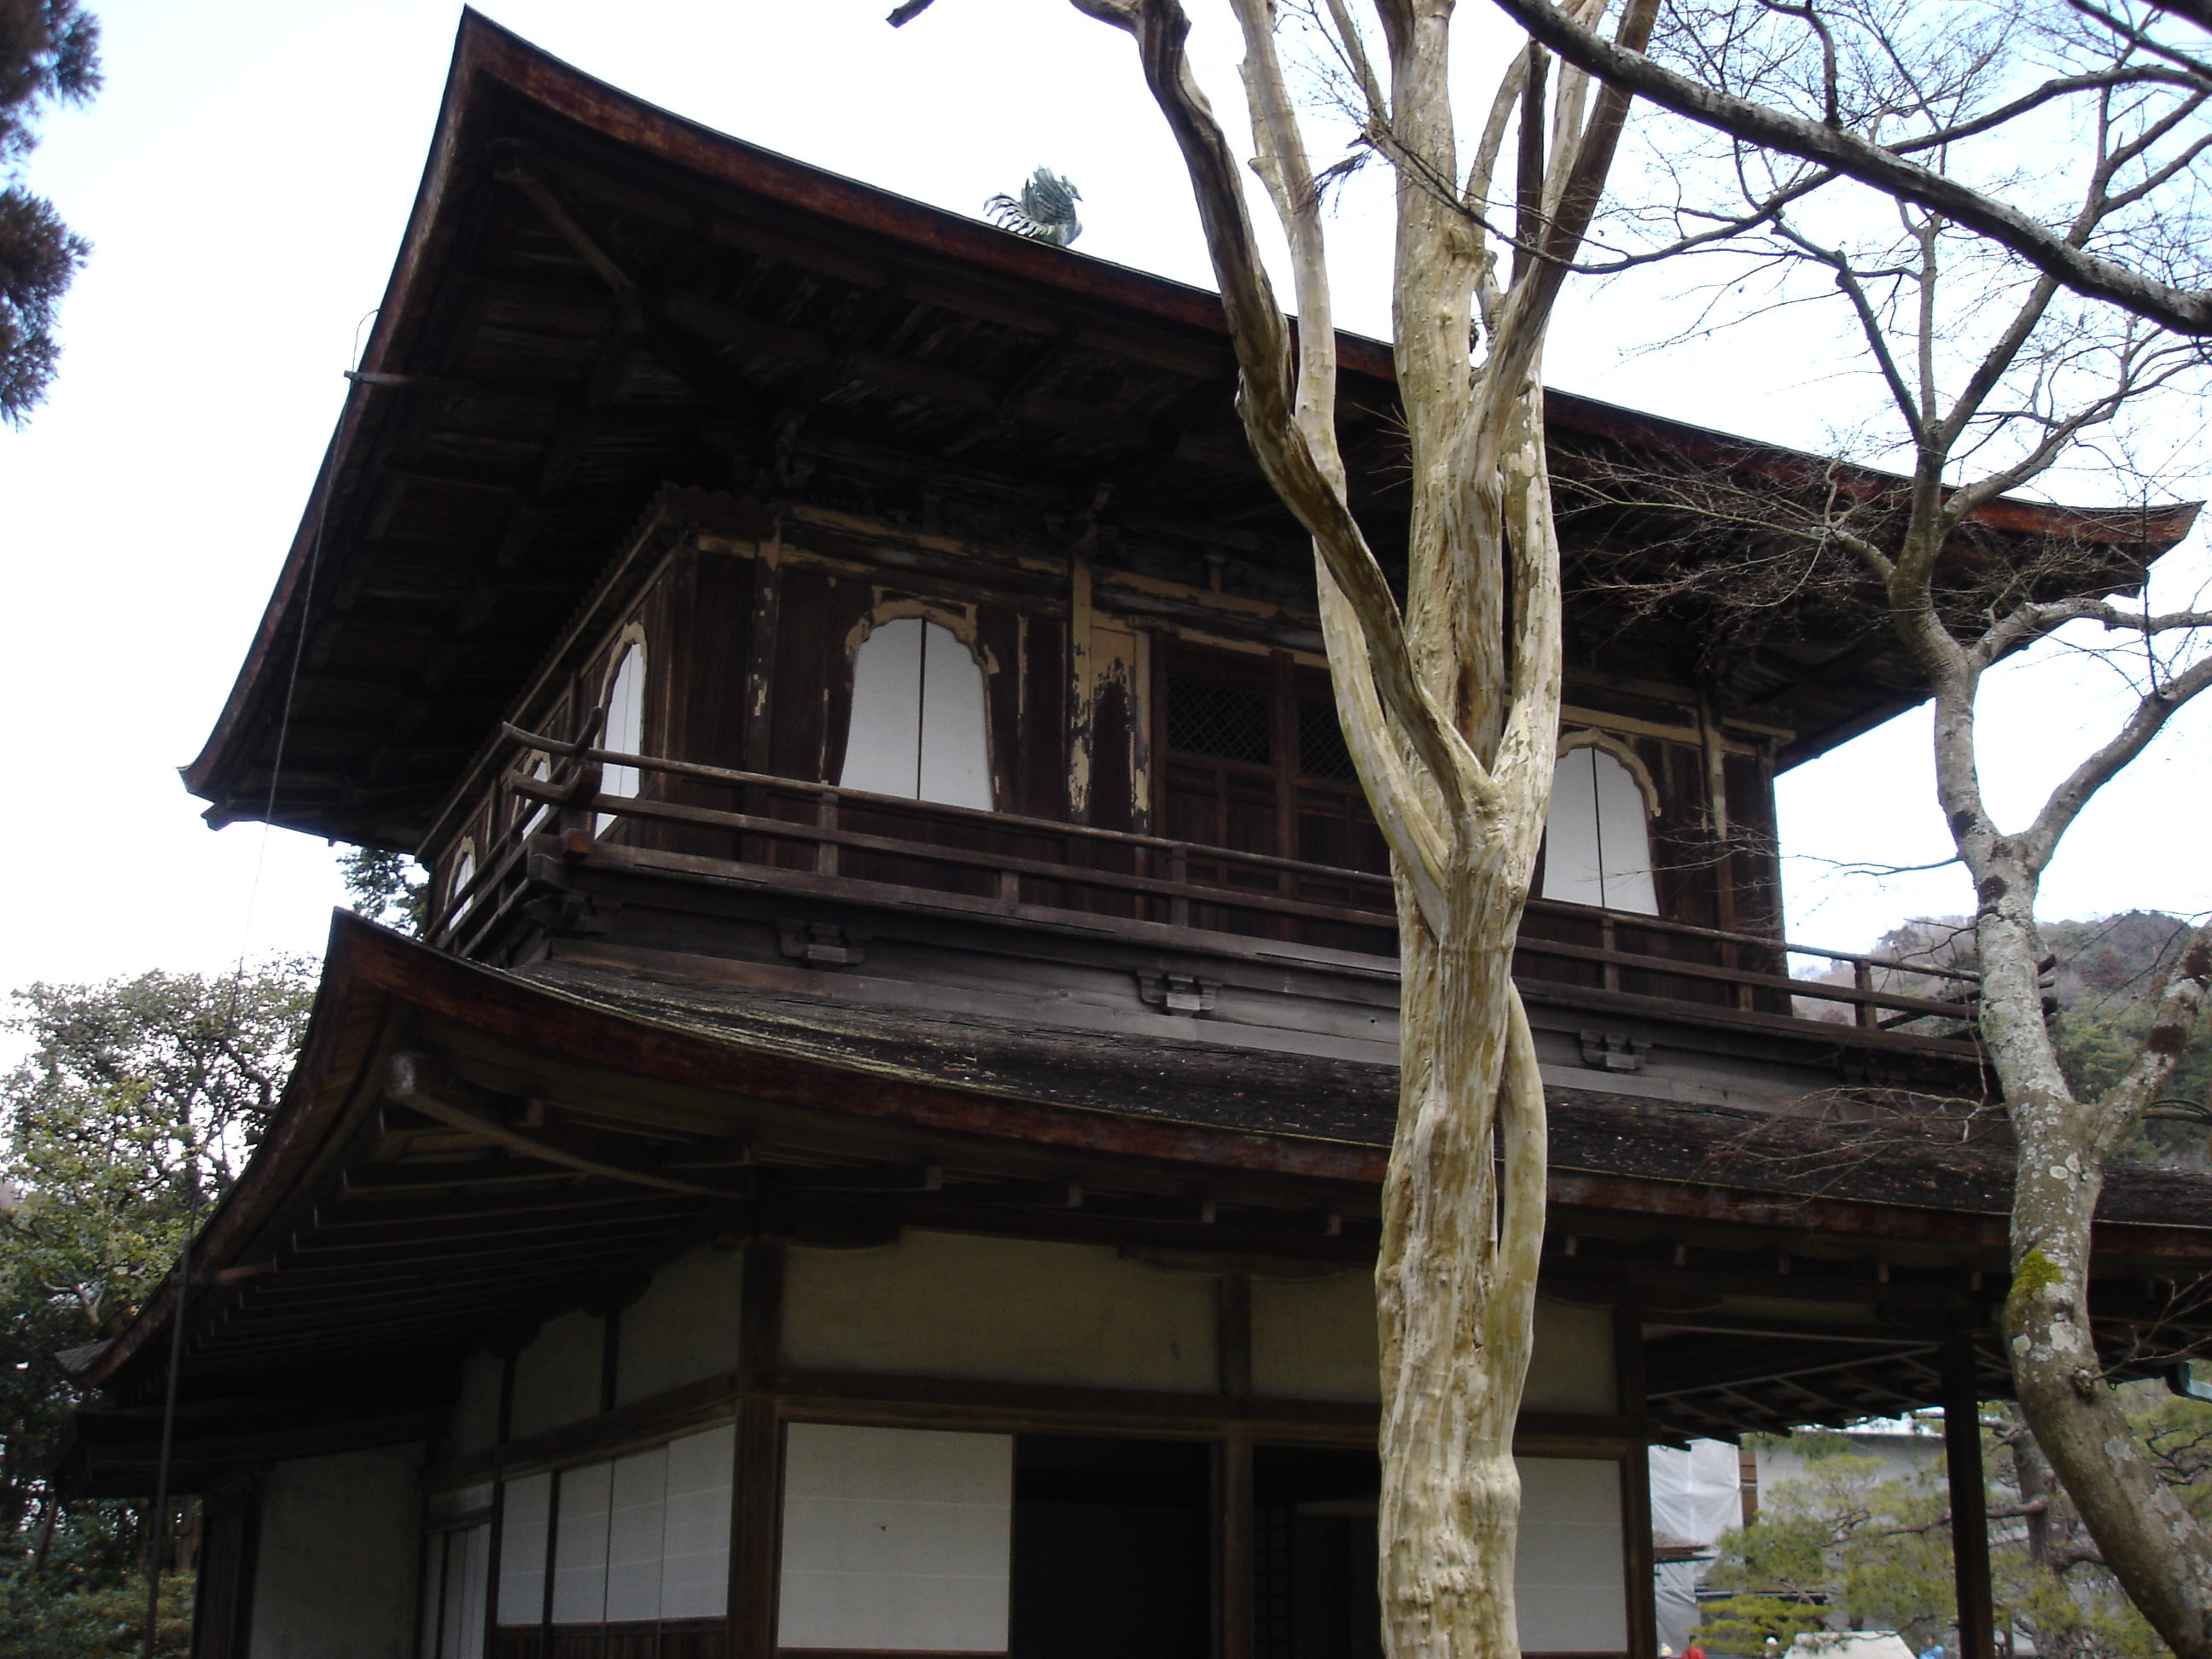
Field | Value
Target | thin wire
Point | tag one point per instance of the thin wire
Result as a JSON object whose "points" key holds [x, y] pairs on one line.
{"points": [[182, 1278], [159, 1528]]}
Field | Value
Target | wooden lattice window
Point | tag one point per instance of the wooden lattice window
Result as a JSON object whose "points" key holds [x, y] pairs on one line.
{"points": [[1256, 762]]}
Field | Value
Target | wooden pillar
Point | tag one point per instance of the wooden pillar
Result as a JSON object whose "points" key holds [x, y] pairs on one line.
{"points": [[756, 1487], [610, 1357], [1639, 1585], [1234, 1566], [1970, 1524], [1233, 1338], [492, 1553], [504, 1431], [760, 656], [1233, 1554]]}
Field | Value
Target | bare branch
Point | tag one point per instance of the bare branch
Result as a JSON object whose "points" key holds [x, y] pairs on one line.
{"points": [[2140, 39], [2181, 1001], [2031, 621], [2148, 718], [1267, 399], [2185, 311]]}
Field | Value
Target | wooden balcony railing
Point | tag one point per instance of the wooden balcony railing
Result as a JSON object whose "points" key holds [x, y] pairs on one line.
{"points": [[706, 820]]}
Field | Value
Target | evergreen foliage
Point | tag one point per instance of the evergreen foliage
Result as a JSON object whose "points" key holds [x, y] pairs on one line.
{"points": [[385, 887], [137, 1106], [1853, 1545], [49, 55], [2103, 971]]}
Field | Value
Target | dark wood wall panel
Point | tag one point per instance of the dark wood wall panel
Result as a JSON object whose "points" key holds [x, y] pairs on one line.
{"points": [[1755, 853], [684, 1638], [998, 636], [1113, 796], [1040, 764], [1681, 844], [223, 1592], [672, 671], [719, 630], [701, 615], [800, 713]]}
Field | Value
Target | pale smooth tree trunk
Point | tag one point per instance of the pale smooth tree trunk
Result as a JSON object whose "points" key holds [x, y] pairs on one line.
{"points": [[1449, 707], [2027, 387], [2160, 1553]]}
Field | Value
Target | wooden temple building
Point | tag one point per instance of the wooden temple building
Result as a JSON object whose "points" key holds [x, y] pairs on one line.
{"points": [[877, 1148]]}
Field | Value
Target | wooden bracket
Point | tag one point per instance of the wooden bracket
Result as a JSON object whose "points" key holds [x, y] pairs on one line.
{"points": [[1610, 1051], [867, 1178], [424, 1083], [513, 167], [1178, 993], [1038, 1195], [822, 944]]}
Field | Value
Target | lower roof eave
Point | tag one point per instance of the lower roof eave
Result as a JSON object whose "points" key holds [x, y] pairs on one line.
{"points": [[1616, 1159]]}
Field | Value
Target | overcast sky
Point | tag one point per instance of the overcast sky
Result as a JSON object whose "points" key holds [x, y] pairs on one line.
{"points": [[246, 177]]}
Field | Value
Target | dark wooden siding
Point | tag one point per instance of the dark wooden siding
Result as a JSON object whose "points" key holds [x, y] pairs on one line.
{"points": [[717, 633], [809, 692], [222, 1596]]}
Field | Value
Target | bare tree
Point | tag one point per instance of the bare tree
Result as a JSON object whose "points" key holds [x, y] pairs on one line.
{"points": [[2126, 46], [2001, 366], [1449, 705]]}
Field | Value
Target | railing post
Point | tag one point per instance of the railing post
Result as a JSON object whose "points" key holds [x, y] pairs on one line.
{"points": [[1732, 956], [1608, 938], [1863, 979], [825, 817], [578, 800], [1179, 874]]}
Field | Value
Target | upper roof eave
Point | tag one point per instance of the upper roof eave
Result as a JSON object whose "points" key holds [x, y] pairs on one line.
{"points": [[489, 60]]}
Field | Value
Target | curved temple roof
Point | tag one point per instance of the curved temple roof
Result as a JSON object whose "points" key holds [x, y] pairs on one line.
{"points": [[596, 298], [463, 1151]]}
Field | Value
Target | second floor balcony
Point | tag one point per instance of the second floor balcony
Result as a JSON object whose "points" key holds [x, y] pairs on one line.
{"points": [[615, 857]]}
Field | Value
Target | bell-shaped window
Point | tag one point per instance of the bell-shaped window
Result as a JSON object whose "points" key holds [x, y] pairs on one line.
{"points": [[1598, 842], [465, 872], [624, 732], [918, 728]]}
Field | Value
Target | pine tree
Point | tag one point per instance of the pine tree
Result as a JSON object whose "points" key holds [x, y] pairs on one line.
{"points": [[49, 55]]}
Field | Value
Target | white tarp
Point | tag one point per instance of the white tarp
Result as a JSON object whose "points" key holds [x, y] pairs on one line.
{"points": [[1851, 1645], [1696, 1494], [1695, 1498]]}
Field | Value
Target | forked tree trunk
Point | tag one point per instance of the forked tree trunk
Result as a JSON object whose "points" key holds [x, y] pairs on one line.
{"points": [[1458, 1303], [2031, 388], [2161, 1552], [1450, 710]]}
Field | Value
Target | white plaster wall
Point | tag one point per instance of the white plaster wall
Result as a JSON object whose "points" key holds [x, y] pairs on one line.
{"points": [[1571, 1368], [474, 1422], [341, 1546], [525, 1523], [1314, 1339], [896, 1539], [1568, 1574], [556, 1377], [1013, 1310], [683, 1328]]}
